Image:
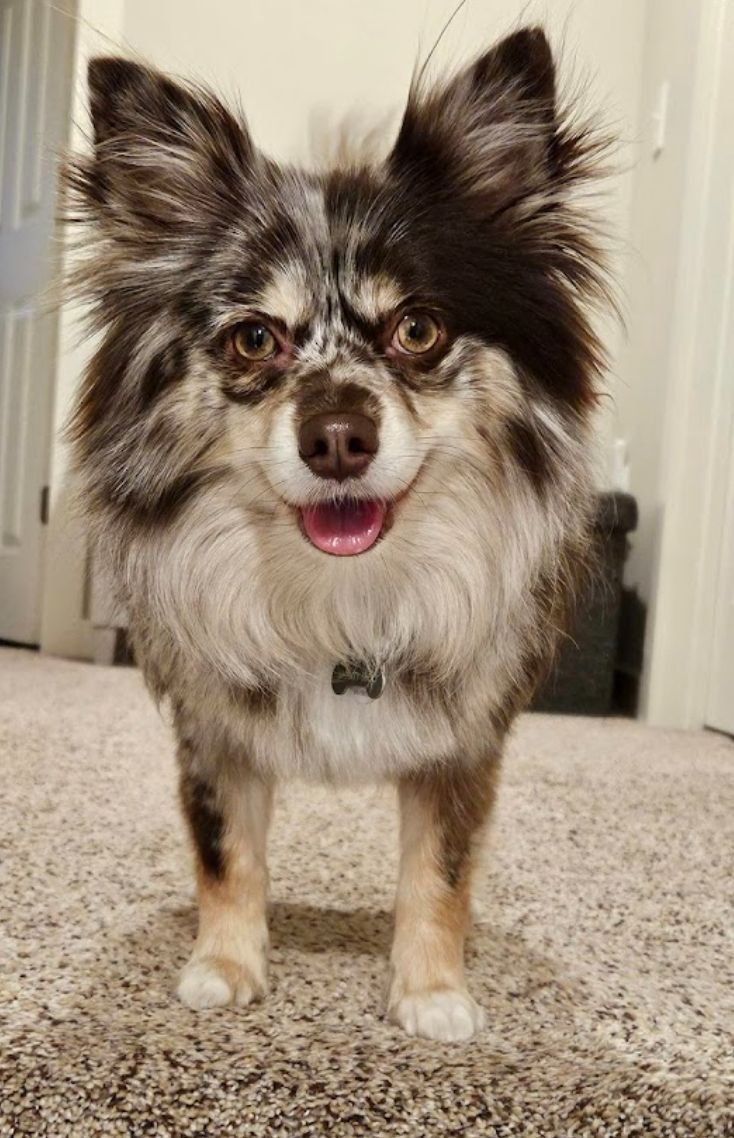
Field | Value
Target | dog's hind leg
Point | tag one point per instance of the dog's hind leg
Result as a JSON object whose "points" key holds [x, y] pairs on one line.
{"points": [[443, 813], [228, 819]]}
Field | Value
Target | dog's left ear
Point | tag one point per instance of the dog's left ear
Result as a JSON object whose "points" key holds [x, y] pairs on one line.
{"points": [[490, 126]]}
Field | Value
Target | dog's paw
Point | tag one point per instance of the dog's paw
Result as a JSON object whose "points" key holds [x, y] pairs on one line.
{"points": [[448, 1015], [213, 982]]}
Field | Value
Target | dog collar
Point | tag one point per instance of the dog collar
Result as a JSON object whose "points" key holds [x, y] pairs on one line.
{"points": [[358, 674]]}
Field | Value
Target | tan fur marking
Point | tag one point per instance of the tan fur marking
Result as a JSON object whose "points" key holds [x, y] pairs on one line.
{"points": [[286, 296], [377, 297], [232, 938], [441, 817]]}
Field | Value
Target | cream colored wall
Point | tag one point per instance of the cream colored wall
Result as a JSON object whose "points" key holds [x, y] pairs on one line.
{"points": [[287, 57], [683, 398], [655, 235]]}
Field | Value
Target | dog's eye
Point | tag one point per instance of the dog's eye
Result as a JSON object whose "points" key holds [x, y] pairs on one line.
{"points": [[253, 341], [416, 333]]}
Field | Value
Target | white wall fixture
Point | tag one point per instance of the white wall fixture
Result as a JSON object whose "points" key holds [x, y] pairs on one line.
{"points": [[660, 119]]}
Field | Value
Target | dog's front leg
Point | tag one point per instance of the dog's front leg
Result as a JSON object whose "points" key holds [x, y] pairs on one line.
{"points": [[442, 817], [228, 817]]}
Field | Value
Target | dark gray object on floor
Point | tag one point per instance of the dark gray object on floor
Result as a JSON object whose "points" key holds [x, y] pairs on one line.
{"points": [[582, 680]]}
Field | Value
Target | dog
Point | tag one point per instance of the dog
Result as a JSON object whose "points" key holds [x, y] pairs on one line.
{"points": [[335, 449]]}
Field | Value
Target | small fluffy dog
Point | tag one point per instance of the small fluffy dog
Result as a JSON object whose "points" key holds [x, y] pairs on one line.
{"points": [[334, 442]]}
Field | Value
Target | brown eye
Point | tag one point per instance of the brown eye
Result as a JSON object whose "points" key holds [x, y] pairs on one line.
{"points": [[253, 341], [417, 333]]}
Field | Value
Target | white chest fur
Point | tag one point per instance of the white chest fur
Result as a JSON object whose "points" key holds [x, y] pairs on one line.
{"points": [[316, 734]]}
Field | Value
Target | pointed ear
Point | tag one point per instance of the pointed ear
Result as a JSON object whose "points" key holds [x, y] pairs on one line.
{"points": [[160, 147], [523, 60], [488, 125]]}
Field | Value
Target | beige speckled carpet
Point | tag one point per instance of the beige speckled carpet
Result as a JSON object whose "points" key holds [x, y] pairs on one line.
{"points": [[603, 952]]}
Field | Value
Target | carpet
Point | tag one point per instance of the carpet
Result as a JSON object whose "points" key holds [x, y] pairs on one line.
{"points": [[602, 950]]}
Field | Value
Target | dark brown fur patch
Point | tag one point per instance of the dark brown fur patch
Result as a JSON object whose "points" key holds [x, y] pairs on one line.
{"points": [[257, 701], [205, 823], [251, 390], [529, 452], [425, 691], [158, 510], [532, 263], [317, 395]]}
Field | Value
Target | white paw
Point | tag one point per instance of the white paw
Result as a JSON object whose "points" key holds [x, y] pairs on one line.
{"points": [[448, 1015], [213, 983]]}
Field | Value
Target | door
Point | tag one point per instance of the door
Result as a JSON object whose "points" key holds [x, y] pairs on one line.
{"points": [[36, 58]]}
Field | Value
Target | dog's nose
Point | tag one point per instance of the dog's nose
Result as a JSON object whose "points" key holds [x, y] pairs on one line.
{"points": [[340, 446]]}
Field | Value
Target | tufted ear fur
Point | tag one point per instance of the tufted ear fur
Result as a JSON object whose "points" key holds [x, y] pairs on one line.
{"points": [[492, 127], [166, 157]]}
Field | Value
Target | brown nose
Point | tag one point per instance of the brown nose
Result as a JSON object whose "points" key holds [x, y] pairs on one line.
{"points": [[338, 445]]}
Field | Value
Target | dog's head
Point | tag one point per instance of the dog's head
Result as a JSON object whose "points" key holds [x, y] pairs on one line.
{"points": [[397, 352]]}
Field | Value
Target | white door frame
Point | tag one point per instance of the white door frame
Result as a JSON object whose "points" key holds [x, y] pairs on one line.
{"points": [[65, 627], [700, 409], [35, 87]]}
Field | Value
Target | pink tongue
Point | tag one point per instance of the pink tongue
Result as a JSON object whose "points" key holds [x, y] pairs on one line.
{"points": [[343, 528]]}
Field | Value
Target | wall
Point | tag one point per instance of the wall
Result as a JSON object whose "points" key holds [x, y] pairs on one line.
{"points": [[691, 598], [645, 363], [287, 57]]}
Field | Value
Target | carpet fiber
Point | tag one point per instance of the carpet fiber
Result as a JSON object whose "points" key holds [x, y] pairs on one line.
{"points": [[602, 952]]}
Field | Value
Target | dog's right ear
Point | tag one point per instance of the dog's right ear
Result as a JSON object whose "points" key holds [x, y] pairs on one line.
{"points": [[119, 93], [165, 155]]}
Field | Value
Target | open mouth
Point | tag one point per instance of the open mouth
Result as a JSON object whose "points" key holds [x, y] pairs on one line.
{"points": [[344, 528]]}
